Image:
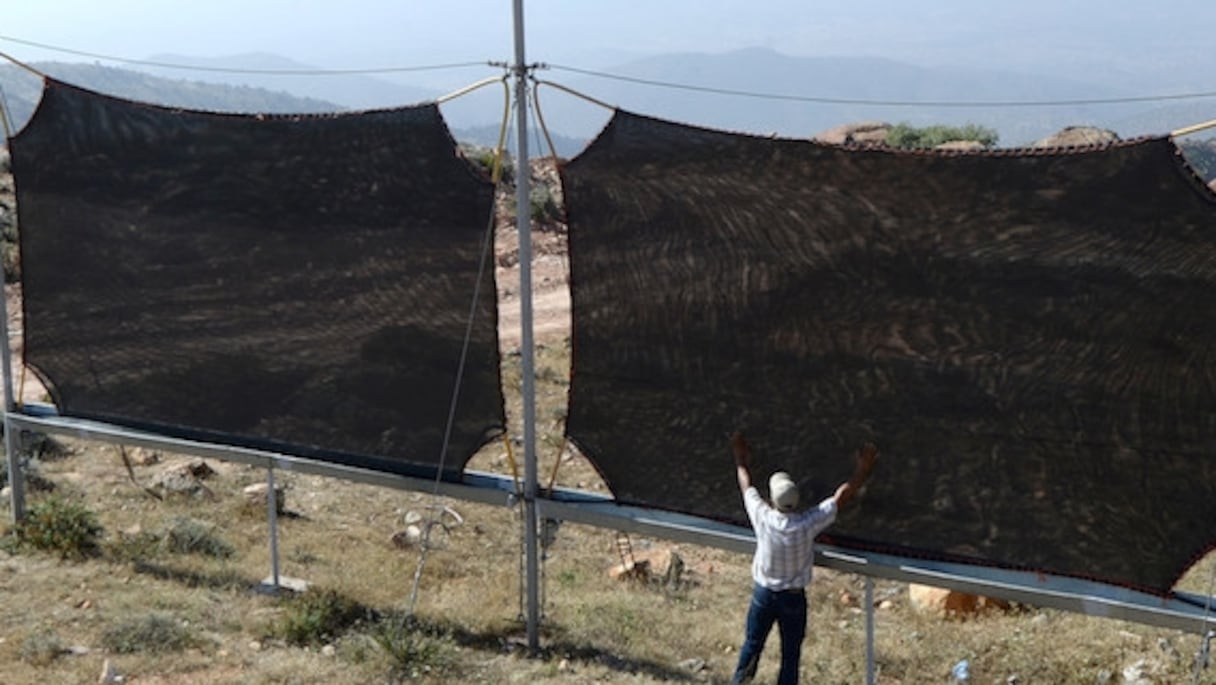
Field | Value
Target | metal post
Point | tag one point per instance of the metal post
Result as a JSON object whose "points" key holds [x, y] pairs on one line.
{"points": [[523, 222], [272, 514], [16, 477], [871, 676]]}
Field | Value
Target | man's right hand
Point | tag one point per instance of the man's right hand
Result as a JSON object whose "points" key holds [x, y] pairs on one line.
{"points": [[866, 456], [740, 449], [742, 460]]}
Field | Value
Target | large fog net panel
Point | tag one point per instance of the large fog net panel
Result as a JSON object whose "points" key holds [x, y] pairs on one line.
{"points": [[1030, 336], [295, 283]]}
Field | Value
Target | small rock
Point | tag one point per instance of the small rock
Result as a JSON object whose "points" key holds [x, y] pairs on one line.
{"points": [[886, 605], [79, 650], [328, 650], [564, 666], [199, 469], [143, 456], [637, 570], [412, 516], [109, 674], [256, 494], [1133, 674], [693, 665], [410, 537]]}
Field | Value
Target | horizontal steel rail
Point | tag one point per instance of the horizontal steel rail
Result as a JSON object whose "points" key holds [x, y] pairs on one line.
{"points": [[1181, 611]]}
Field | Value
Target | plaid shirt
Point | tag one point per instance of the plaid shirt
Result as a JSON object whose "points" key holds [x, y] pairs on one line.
{"points": [[785, 542]]}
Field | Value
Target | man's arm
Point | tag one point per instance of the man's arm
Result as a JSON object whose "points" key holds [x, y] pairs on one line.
{"points": [[743, 460], [866, 457]]}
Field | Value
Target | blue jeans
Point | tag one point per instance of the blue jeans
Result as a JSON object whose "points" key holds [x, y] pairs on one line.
{"points": [[788, 610]]}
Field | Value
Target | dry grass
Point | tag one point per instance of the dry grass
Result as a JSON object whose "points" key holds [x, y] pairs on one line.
{"points": [[170, 613]]}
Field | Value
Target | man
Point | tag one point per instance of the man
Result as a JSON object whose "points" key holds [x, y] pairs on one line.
{"points": [[784, 557]]}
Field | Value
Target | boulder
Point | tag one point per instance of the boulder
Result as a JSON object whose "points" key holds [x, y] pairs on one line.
{"points": [[868, 132], [183, 478], [951, 603], [255, 496], [1078, 136], [662, 565], [961, 145]]}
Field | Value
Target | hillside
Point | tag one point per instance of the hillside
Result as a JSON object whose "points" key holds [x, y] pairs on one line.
{"points": [[22, 90]]}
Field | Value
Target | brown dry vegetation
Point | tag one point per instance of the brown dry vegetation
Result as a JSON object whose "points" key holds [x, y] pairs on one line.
{"points": [[60, 617]]}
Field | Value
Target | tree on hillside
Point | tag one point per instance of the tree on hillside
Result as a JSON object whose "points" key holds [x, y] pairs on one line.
{"points": [[907, 136]]}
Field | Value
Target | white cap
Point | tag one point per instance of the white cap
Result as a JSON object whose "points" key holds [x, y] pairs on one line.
{"points": [[783, 491]]}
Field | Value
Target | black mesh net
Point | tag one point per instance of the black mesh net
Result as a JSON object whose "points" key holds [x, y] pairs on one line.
{"points": [[300, 283], [1028, 335]]}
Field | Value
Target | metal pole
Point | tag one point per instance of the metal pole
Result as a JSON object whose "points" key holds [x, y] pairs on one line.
{"points": [[272, 513], [16, 477], [871, 676], [523, 222]]}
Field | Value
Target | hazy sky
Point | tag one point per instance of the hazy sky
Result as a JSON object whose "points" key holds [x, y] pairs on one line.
{"points": [[1115, 34]]}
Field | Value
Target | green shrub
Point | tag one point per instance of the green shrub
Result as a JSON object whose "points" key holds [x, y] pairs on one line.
{"points": [[412, 650], [192, 536], [908, 136], [57, 524], [41, 648], [151, 633], [316, 617]]}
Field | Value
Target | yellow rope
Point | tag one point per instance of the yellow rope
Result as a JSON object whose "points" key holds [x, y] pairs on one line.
{"points": [[496, 176], [20, 401], [577, 94], [556, 463], [23, 65], [4, 119], [506, 439], [1193, 129], [540, 117], [468, 89]]}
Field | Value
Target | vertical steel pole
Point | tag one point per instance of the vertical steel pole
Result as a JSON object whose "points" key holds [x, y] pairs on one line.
{"points": [[16, 477], [523, 222], [272, 516], [871, 676]]}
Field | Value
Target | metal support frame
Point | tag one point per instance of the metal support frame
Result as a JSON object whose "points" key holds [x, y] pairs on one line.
{"points": [[871, 673], [272, 518], [1179, 610], [523, 223], [12, 445]]}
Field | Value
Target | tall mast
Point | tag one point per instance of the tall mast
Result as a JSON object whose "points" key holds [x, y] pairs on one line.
{"points": [[523, 222]]}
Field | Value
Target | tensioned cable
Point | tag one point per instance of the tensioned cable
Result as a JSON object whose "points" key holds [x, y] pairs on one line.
{"points": [[1186, 130], [486, 245], [884, 103], [4, 118], [236, 70]]}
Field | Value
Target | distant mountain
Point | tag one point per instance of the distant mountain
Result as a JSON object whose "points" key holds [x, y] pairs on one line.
{"points": [[756, 90], [22, 91], [353, 91], [844, 85]]}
